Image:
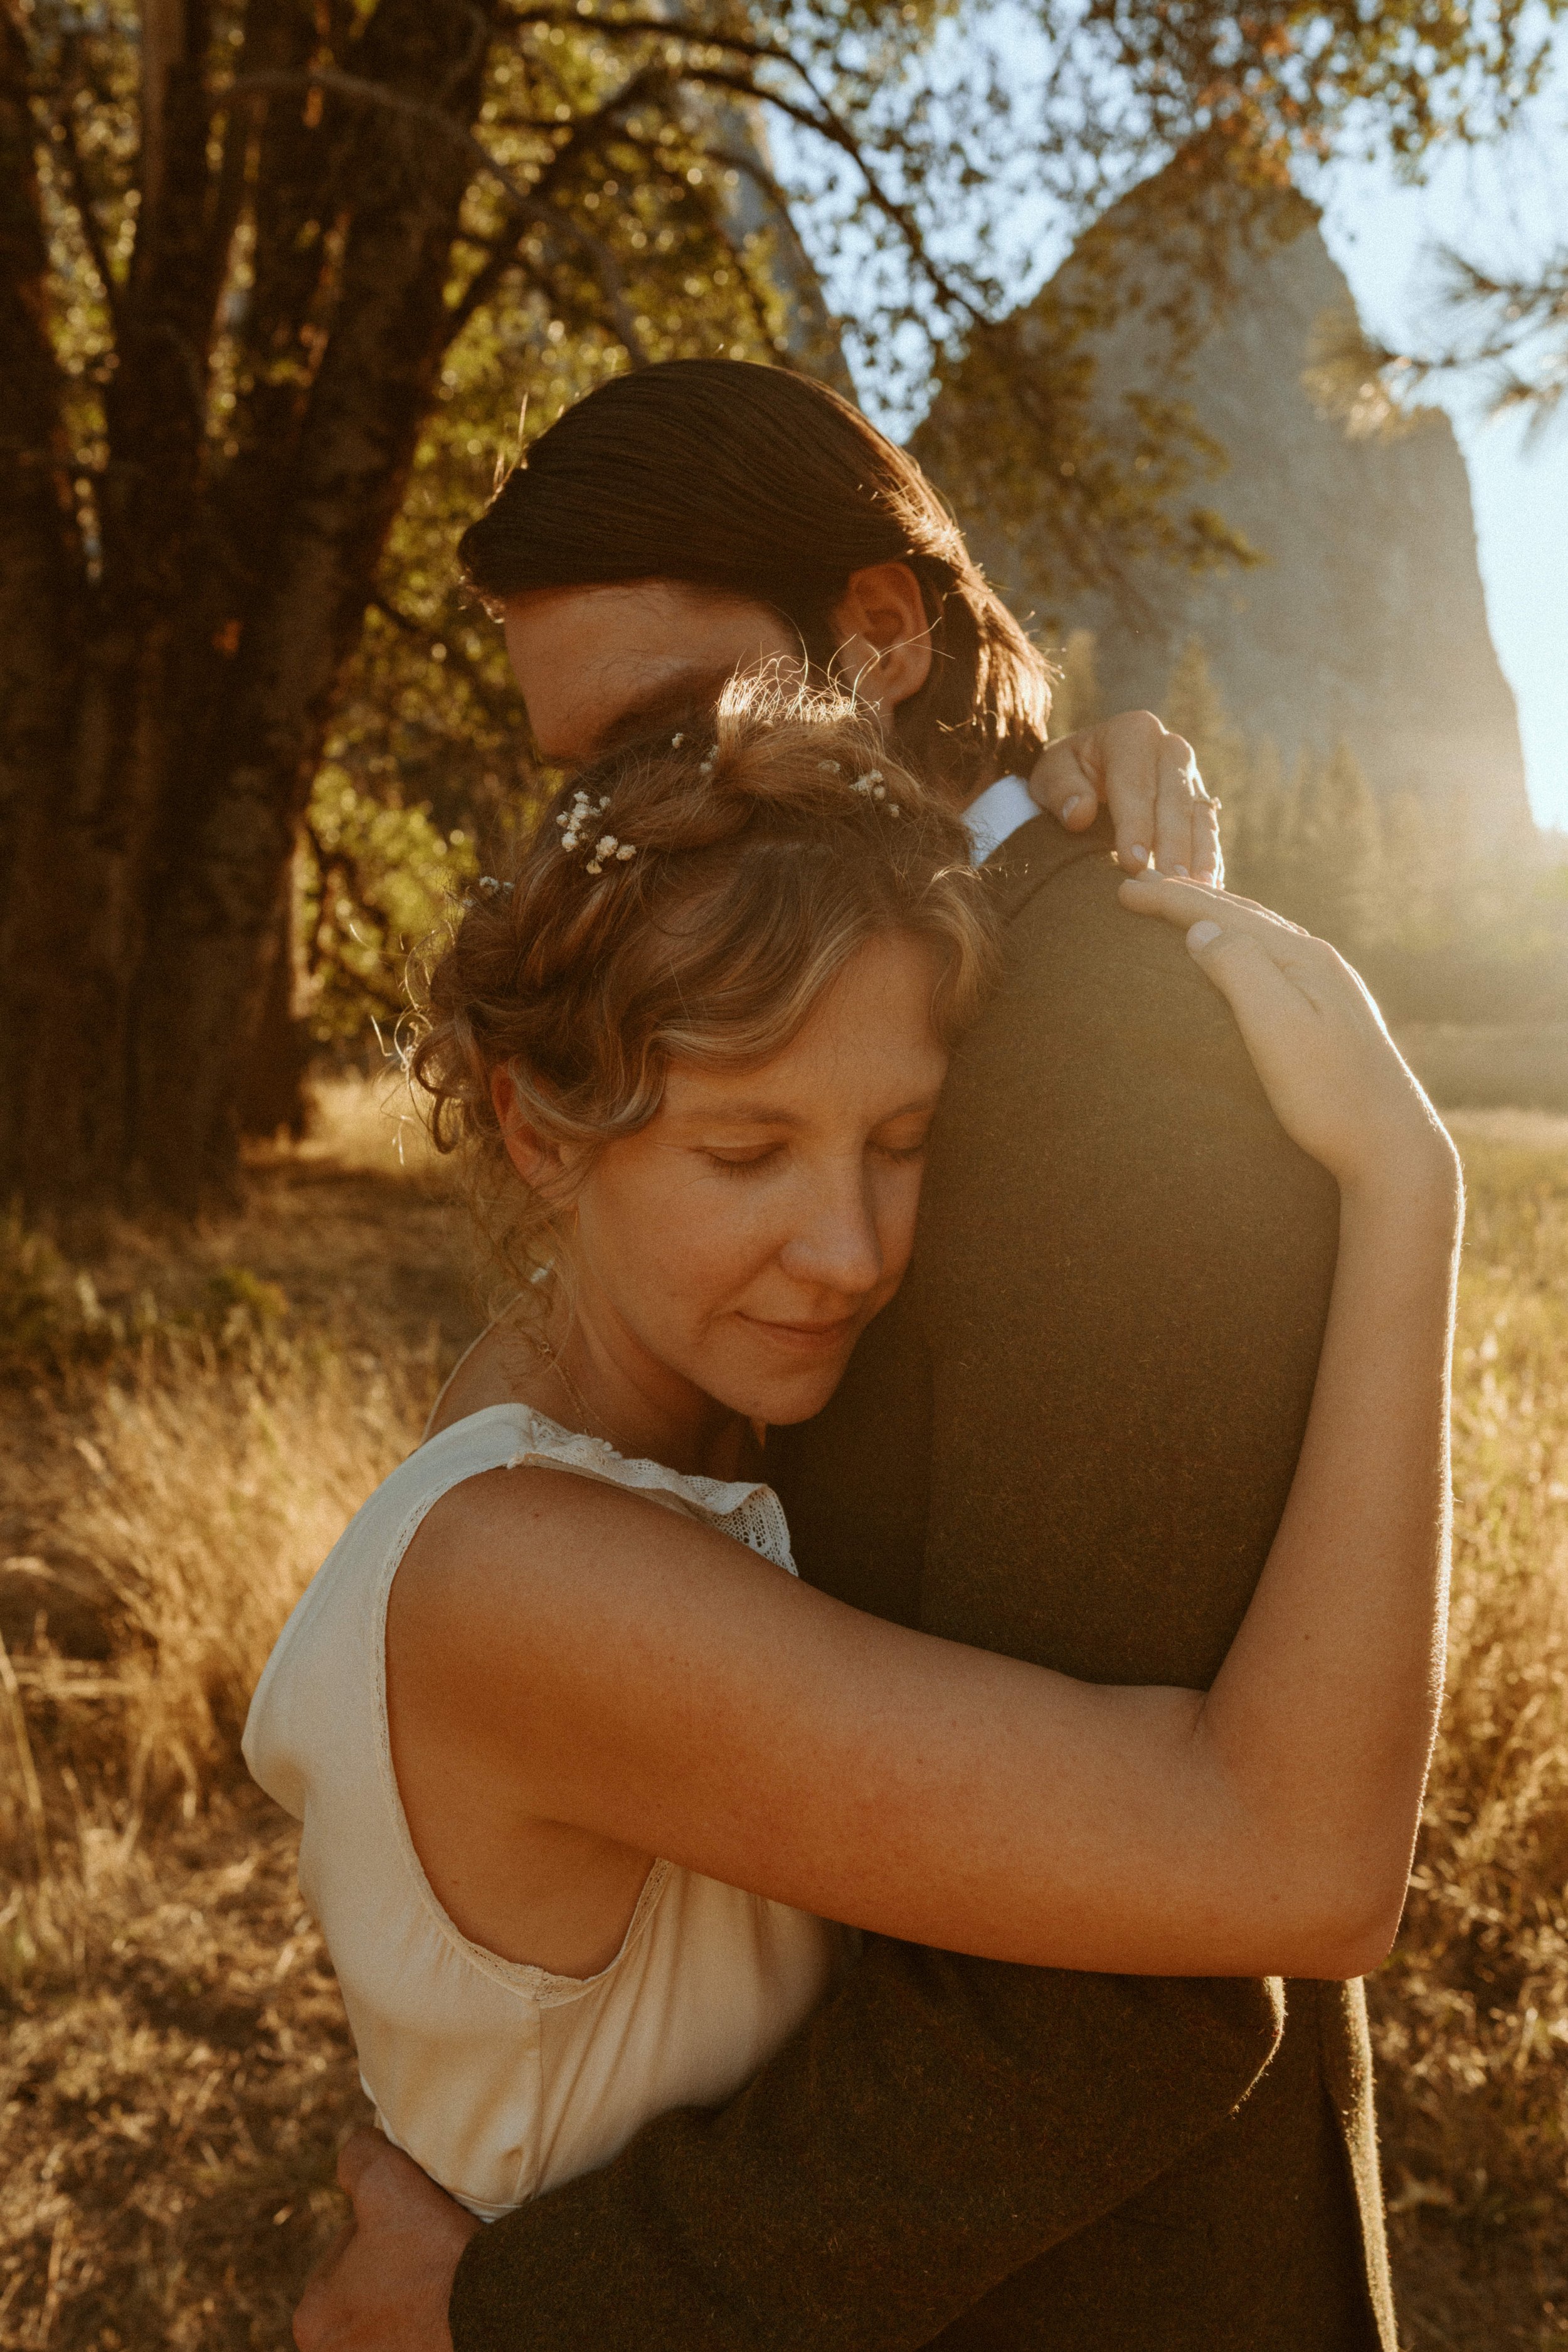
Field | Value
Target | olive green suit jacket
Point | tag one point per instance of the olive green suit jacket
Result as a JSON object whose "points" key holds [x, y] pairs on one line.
{"points": [[1069, 1438]]}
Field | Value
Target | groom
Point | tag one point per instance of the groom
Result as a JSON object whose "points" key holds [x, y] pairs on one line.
{"points": [[1069, 1438]]}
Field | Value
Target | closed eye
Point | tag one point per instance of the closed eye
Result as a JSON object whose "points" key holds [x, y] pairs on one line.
{"points": [[744, 1163]]}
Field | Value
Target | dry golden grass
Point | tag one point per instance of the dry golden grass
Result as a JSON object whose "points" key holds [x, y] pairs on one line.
{"points": [[183, 1446], [185, 1438], [1471, 2014]]}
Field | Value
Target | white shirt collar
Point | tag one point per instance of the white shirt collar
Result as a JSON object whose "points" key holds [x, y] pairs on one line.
{"points": [[996, 813]]}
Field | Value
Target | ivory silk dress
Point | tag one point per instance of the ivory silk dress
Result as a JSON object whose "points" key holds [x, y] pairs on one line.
{"points": [[499, 2078]]}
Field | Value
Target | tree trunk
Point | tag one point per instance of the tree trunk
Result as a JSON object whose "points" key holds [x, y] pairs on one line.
{"points": [[207, 964], [41, 586], [160, 724], [272, 1089]]}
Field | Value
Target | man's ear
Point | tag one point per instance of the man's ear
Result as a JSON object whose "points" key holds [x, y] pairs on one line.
{"points": [[536, 1158], [882, 636]]}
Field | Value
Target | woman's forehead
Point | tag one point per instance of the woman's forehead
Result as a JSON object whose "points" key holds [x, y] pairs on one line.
{"points": [[868, 1045]]}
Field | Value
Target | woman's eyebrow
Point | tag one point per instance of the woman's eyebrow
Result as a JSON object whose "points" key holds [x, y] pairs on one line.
{"points": [[751, 1113]]}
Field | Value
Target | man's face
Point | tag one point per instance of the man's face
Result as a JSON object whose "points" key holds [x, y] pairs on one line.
{"points": [[600, 664]]}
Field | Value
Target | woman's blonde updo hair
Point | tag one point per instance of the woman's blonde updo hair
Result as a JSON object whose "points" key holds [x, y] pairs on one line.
{"points": [[752, 856]]}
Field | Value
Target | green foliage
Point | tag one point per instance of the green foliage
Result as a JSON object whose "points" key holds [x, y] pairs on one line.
{"points": [[372, 878], [53, 1320], [1338, 846]]}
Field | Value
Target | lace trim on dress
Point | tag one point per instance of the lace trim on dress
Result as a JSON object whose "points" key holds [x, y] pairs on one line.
{"points": [[750, 1513]]}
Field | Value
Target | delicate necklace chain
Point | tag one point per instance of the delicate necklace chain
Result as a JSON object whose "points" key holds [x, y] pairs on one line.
{"points": [[594, 1427]]}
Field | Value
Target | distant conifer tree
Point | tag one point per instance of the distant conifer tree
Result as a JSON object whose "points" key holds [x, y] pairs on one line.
{"points": [[1257, 827], [1193, 705], [1407, 905], [1076, 703], [1337, 851]]}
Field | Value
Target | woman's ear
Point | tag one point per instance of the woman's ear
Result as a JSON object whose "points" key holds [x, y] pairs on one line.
{"points": [[536, 1158], [882, 634]]}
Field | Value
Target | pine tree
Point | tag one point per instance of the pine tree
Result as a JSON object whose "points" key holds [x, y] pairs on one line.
{"points": [[1193, 706], [1409, 878], [1337, 852], [1258, 829]]}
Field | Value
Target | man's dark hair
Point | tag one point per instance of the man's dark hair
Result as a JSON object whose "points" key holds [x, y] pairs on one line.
{"points": [[763, 484]]}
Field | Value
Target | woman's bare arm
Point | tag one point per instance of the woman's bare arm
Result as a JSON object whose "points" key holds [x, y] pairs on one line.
{"points": [[587, 1658]]}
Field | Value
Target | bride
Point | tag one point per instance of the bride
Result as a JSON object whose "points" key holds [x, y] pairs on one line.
{"points": [[594, 1791]]}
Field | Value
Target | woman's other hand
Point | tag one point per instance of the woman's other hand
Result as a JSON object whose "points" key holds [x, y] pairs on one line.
{"points": [[1332, 1073], [1149, 780]]}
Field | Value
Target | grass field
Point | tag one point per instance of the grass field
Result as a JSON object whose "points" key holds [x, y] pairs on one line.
{"points": [[186, 1431]]}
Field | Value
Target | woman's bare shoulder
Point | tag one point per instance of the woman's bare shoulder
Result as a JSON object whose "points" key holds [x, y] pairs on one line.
{"points": [[552, 1534]]}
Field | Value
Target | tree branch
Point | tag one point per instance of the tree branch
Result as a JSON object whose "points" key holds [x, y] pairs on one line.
{"points": [[826, 125], [501, 708], [719, 228], [665, 29], [82, 201], [520, 202], [821, 116]]}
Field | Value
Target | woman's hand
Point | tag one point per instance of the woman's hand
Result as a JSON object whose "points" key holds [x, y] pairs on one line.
{"points": [[1332, 1073], [1149, 780]]}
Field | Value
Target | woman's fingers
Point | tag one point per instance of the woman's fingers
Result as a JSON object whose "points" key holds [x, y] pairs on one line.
{"points": [[1066, 781], [1185, 902], [1317, 1039], [1265, 1000]]}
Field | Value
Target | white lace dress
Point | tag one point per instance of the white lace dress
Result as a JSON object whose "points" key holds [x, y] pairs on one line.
{"points": [[501, 2079]]}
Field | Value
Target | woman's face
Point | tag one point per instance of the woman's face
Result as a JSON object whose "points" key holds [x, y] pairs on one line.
{"points": [[737, 1246]]}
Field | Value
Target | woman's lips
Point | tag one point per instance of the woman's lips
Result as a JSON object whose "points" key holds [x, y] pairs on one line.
{"points": [[808, 1338]]}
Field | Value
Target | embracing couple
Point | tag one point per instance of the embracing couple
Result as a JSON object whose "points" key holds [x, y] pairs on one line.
{"points": [[850, 1778]]}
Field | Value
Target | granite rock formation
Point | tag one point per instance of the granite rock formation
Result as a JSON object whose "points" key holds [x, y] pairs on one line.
{"points": [[1365, 622]]}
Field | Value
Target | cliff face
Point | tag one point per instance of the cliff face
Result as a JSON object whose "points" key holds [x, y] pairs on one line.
{"points": [[1365, 622]]}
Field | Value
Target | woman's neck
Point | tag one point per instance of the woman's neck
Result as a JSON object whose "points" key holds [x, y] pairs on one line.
{"points": [[601, 1383]]}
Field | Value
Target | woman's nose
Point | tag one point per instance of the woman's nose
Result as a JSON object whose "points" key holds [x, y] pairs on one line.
{"points": [[838, 1246]]}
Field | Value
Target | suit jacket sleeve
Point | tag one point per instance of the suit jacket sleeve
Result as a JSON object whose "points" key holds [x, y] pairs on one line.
{"points": [[1093, 1391]]}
